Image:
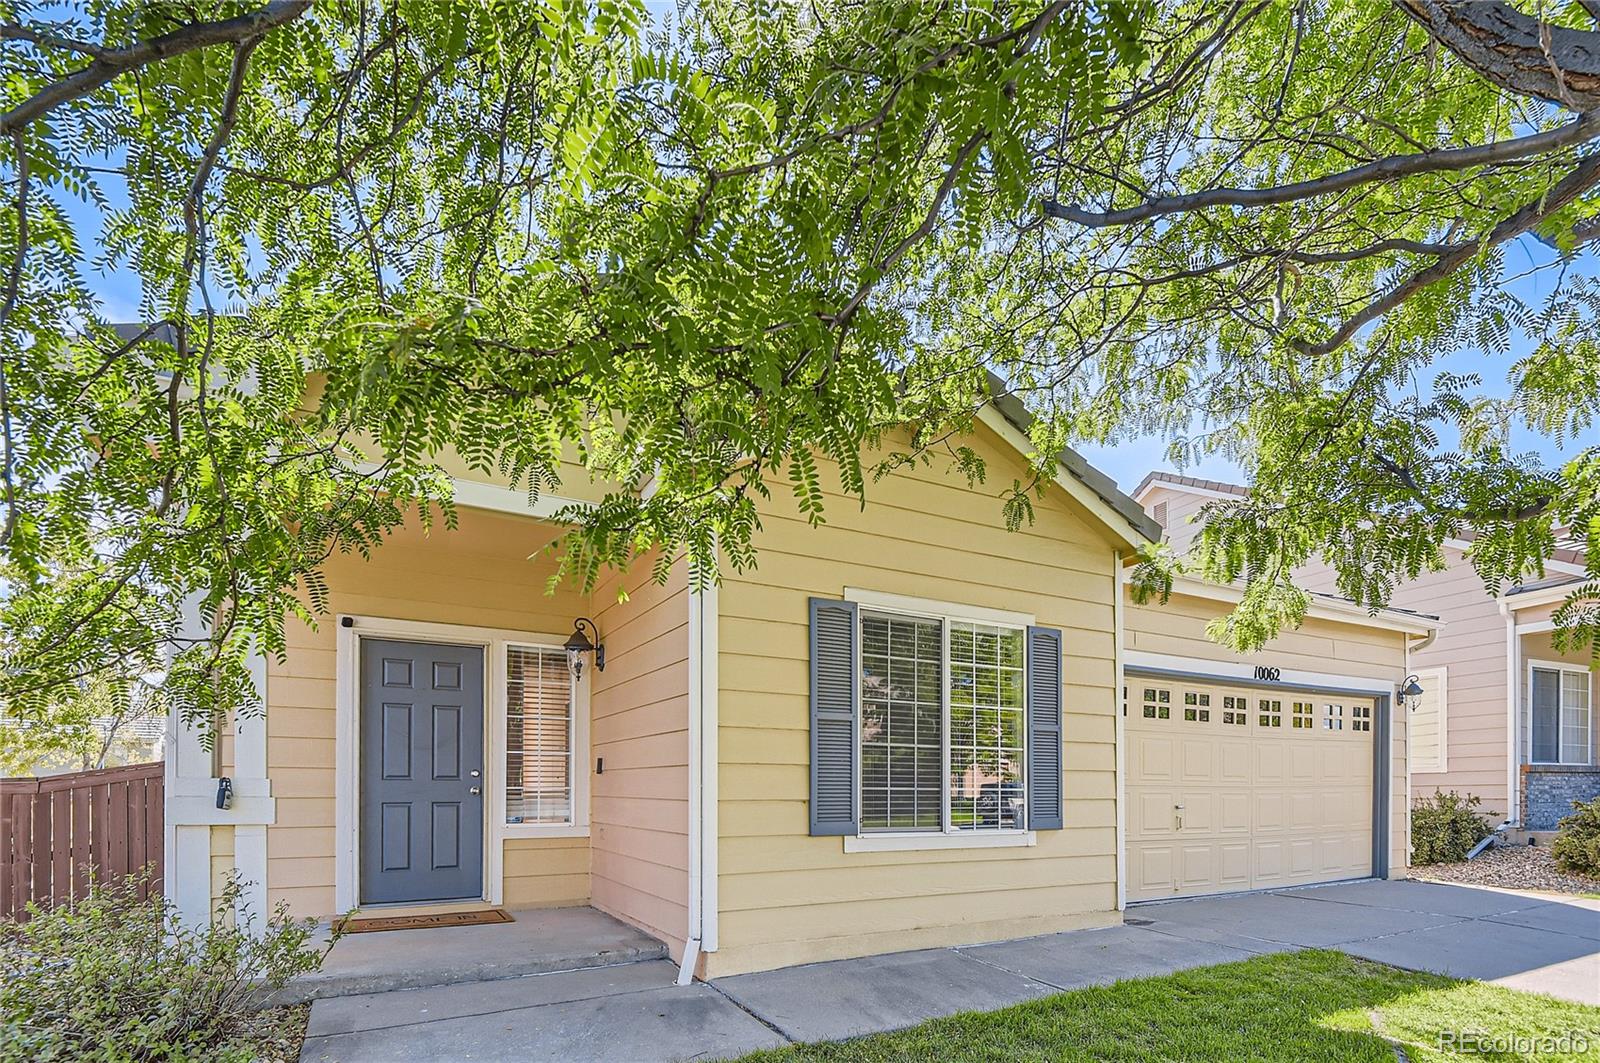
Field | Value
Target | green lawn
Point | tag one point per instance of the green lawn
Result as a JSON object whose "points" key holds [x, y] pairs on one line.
{"points": [[1298, 1008]]}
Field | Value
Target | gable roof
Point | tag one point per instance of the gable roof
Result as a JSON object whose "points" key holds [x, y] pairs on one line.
{"points": [[1172, 479], [1097, 491]]}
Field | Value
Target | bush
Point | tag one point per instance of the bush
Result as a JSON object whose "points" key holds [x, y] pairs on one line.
{"points": [[1577, 846], [116, 979], [1445, 827]]}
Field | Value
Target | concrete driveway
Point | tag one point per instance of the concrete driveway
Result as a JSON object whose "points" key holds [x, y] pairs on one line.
{"points": [[635, 1011]]}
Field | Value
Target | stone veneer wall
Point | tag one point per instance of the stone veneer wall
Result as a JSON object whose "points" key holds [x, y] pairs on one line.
{"points": [[1548, 791]]}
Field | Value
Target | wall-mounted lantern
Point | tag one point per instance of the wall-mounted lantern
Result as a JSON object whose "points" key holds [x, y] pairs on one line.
{"points": [[1411, 693], [579, 644]]}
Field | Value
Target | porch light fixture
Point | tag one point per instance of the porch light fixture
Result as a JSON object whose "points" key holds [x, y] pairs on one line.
{"points": [[1411, 693], [578, 644]]}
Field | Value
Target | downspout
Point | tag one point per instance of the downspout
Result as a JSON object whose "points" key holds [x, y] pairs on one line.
{"points": [[702, 796], [1118, 704], [1513, 715]]}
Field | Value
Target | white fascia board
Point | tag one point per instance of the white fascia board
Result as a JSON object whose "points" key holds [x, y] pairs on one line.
{"points": [[475, 494], [1186, 489], [1320, 608], [1115, 523], [1542, 596]]}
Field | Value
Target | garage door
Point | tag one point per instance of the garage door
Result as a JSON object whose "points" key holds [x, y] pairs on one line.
{"points": [[1237, 789]]}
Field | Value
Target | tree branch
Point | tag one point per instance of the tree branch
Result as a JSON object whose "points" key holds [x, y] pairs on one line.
{"points": [[1582, 177], [111, 64], [1529, 56], [13, 289], [1581, 129]]}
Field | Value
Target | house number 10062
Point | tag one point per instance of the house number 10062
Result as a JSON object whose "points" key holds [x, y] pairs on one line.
{"points": [[1271, 675]]}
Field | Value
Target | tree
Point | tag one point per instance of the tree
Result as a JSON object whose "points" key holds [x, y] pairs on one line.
{"points": [[716, 243]]}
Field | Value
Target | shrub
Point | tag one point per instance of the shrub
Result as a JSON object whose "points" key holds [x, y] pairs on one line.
{"points": [[116, 979], [1577, 846], [1445, 827]]}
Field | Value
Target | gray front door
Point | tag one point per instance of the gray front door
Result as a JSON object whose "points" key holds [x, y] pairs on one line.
{"points": [[421, 771]]}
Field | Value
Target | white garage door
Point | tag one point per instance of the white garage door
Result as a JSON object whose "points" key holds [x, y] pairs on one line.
{"points": [[1237, 789]]}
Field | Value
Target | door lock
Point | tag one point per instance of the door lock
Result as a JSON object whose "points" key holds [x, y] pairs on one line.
{"points": [[474, 791], [474, 773]]}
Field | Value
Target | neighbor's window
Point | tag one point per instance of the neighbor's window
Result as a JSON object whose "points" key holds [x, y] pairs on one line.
{"points": [[942, 724], [539, 725], [1559, 716]]}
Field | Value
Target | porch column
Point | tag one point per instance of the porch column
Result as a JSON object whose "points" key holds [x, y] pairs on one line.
{"points": [[191, 804]]}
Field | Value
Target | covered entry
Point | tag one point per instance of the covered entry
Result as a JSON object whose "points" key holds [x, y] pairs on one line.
{"points": [[1236, 787]]}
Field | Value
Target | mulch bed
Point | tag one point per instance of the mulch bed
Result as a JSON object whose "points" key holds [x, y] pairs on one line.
{"points": [[276, 1034], [1516, 867]]}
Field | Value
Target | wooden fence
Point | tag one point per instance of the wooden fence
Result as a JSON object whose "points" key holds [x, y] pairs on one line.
{"points": [[54, 831]]}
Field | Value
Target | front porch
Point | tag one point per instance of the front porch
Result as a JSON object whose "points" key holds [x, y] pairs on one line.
{"points": [[536, 941]]}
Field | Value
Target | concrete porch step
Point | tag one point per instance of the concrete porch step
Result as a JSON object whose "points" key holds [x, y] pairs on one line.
{"points": [[1518, 836], [537, 941]]}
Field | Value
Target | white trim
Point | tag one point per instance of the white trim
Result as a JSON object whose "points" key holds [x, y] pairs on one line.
{"points": [[347, 753], [1116, 523], [945, 613], [1320, 608], [903, 603], [703, 752], [971, 839], [475, 494], [1435, 680], [1188, 489], [1542, 596], [1561, 668], [1513, 714], [1119, 706], [186, 847], [1536, 627], [1287, 677]]}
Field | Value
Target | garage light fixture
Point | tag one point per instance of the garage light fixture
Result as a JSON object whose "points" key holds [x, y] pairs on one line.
{"points": [[578, 644], [1411, 693]]}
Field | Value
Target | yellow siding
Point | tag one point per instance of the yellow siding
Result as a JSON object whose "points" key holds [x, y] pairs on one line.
{"points": [[1178, 628], [479, 574], [786, 897], [640, 803]]}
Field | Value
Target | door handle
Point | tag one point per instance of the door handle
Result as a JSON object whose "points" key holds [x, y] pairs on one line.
{"points": [[474, 773], [474, 791]]}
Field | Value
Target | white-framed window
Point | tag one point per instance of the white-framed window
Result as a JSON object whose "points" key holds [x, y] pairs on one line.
{"points": [[943, 718], [1560, 714], [540, 737]]}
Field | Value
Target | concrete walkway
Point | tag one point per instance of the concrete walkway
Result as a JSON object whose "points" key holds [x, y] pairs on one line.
{"points": [[635, 1011]]}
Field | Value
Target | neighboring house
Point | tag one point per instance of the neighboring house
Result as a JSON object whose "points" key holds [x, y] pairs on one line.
{"points": [[905, 728], [1504, 716]]}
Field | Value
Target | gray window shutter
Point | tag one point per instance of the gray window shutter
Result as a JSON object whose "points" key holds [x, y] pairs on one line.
{"points": [[1044, 728], [835, 684]]}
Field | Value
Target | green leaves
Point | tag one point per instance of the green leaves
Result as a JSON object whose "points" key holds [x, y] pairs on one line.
{"points": [[723, 251]]}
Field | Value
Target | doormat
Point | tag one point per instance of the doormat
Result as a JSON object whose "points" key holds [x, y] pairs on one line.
{"points": [[422, 922]]}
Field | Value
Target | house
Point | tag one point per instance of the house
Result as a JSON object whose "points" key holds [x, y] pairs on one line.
{"points": [[909, 727], [1504, 715]]}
